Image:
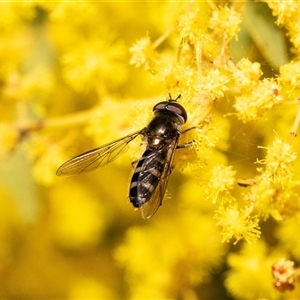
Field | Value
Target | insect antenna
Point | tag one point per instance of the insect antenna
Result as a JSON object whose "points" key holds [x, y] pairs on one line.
{"points": [[170, 97]]}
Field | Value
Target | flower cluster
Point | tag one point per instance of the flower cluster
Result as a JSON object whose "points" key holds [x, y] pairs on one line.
{"points": [[249, 270], [143, 54], [246, 75], [221, 181], [279, 162], [254, 104], [274, 189], [226, 22], [189, 251], [284, 275], [237, 224]]}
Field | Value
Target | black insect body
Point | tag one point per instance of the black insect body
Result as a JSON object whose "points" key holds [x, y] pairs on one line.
{"points": [[152, 171]]}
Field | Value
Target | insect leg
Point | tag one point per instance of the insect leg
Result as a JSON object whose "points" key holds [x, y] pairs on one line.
{"points": [[189, 144], [188, 129], [185, 145]]}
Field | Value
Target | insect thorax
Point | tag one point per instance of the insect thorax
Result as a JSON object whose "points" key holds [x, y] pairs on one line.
{"points": [[163, 128]]}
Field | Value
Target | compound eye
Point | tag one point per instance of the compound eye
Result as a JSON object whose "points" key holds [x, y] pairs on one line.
{"points": [[172, 106], [160, 106], [178, 110]]}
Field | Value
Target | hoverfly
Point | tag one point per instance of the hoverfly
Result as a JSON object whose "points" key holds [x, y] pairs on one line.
{"points": [[152, 171]]}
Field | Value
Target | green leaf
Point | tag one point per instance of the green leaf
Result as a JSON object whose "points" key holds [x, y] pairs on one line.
{"points": [[268, 38]]}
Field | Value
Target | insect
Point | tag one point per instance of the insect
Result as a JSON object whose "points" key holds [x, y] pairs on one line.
{"points": [[152, 170]]}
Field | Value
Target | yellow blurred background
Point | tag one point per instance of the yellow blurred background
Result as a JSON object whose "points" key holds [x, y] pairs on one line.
{"points": [[67, 86]]}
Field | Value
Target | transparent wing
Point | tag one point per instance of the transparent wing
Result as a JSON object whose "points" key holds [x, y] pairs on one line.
{"points": [[149, 208], [98, 157]]}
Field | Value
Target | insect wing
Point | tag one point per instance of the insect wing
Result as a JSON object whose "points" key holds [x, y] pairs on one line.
{"points": [[149, 208], [98, 157]]}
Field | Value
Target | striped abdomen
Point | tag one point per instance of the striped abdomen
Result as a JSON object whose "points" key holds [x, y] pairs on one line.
{"points": [[146, 176]]}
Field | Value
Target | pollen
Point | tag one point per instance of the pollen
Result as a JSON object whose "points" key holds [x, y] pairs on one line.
{"points": [[279, 161], [143, 54], [237, 224], [247, 74], [226, 22], [254, 104], [220, 183], [290, 74]]}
